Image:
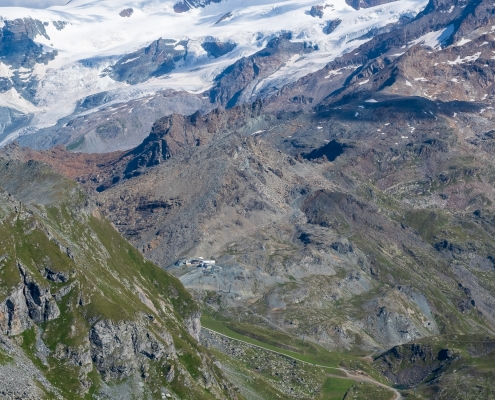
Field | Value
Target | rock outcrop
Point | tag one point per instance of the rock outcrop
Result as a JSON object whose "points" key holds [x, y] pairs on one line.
{"points": [[234, 85], [157, 59], [358, 4], [17, 46], [193, 325], [409, 365], [174, 134], [187, 5], [29, 304], [120, 349]]}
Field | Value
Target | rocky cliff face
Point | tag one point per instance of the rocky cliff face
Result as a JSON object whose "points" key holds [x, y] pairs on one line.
{"points": [[235, 84], [29, 304], [174, 134], [411, 364], [184, 6], [157, 59], [17, 47], [135, 346], [18, 50]]}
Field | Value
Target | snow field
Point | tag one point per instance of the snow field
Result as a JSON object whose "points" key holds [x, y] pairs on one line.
{"points": [[96, 37]]}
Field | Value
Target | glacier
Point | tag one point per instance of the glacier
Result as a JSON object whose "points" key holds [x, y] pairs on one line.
{"points": [[91, 36]]}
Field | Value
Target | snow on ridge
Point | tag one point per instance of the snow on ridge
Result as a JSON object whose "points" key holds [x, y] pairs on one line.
{"points": [[97, 36], [97, 28], [435, 39], [12, 99]]}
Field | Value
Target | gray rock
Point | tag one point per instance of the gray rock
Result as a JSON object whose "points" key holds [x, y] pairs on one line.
{"points": [[358, 4], [64, 291], [234, 85], [331, 26], [159, 58], [40, 303], [29, 303], [117, 348], [193, 325], [186, 5], [14, 313], [17, 46], [170, 374], [317, 11], [60, 24], [56, 276], [217, 49], [126, 12]]}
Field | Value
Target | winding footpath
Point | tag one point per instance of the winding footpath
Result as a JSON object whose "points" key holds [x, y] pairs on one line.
{"points": [[348, 375]]}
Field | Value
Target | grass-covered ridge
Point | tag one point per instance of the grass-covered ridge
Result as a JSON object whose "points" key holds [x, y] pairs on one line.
{"points": [[65, 248]]}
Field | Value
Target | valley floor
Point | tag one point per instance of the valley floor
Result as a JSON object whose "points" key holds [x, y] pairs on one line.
{"points": [[338, 382]]}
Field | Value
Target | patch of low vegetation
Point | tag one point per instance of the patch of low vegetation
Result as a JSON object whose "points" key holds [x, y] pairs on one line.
{"points": [[367, 391], [334, 389], [76, 144], [4, 358], [276, 341]]}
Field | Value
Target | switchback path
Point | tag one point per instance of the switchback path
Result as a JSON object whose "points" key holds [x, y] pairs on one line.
{"points": [[348, 375]]}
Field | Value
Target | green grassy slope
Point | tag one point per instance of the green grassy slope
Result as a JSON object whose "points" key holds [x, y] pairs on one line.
{"points": [[67, 248]]}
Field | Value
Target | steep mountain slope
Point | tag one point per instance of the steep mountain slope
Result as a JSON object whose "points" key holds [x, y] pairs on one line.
{"points": [[114, 125], [373, 126], [351, 208], [388, 243], [125, 51], [432, 56], [362, 252], [81, 312], [273, 219]]}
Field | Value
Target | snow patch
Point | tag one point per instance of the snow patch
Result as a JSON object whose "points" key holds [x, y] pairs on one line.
{"points": [[5, 71], [435, 39], [12, 99], [460, 60], [462, 42], [130, 60]]}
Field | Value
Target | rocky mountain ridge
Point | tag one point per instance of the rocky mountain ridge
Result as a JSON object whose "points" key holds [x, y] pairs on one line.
{"points": [[350, 208], [187, 54], [83, 310]]}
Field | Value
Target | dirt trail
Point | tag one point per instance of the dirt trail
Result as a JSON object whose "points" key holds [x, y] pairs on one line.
{"points": [[349, 375]]}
